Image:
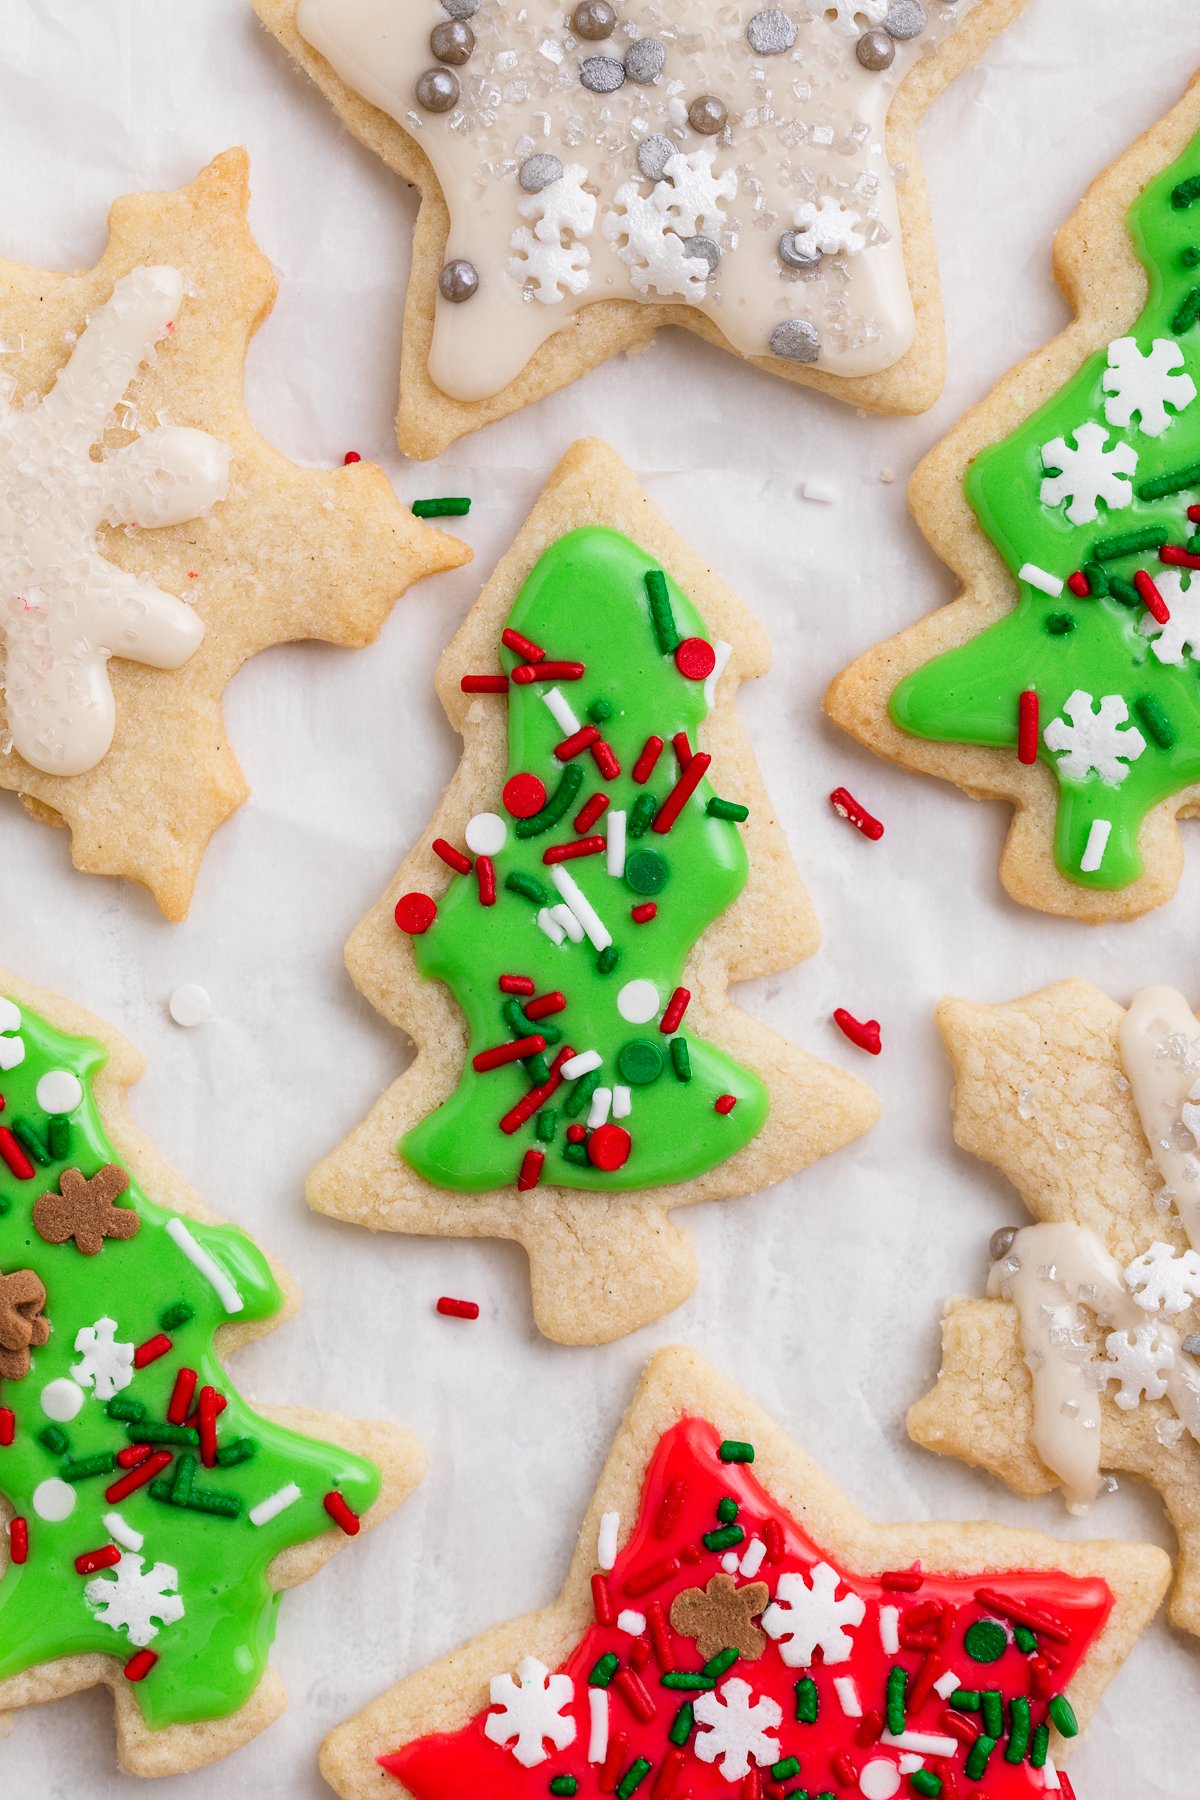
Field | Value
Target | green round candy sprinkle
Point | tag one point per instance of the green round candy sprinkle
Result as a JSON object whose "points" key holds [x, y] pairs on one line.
{"points": [[647, 872], [640, 1062], [986, 1641]]}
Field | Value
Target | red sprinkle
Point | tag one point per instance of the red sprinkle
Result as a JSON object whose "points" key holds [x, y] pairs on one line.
{"points": [[588, 846], [1193, 513], [602, 1604], [142, 1661], [151, 1350], [576, 1134], [869, 1729], [453, 858], [682, 749], [681, 793], [1180, 559], [608, 1147], [145, 1470], [208, 1427], [346, 1520], [484, 684], [132, 1454], [605, 759], [669, 1509], [1032, 1616], [844, 803], [517, 984], [181, 1396], [577, 743], [696, 659], [958, 1726], [524, 795], [1027, 727], [587, 815], [415, 913], [547, 671], [1079, 585], [866, 1036], [531, 1170], [91, 1560], [18, 1539], [633, 1692], [351, 456], [500, 1054], [677, 1005], [902, 1581], [614, 1762], [1154, 603], [545, 1005], [660, 1637], [751, 1785], [724, 1103], [643, 768], [843, 1767], [14, 1156], [772, 1537], [1041, 1677], [930, 1671], [8, 1426], [457, 1309], [652, 1576], [523, 646], [1064, 1785], [485, 875], [641, 915], [525, 1108], [668, 1775]]}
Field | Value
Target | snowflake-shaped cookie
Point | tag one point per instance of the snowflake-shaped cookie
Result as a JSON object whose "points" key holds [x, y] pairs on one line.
{"points": [[1162, 1278], [1094, 740], [136, 1599], [1179, 638], [1140, 1359], [1144, 383], [530, 1711], [1087, 472], [805, 1615], [737, 1729], [689, 195], [107, 1363], [656, 255], [827, 227]]}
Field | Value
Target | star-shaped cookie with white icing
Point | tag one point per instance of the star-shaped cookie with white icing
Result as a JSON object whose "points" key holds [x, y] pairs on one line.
{"points": [[590, 175]]}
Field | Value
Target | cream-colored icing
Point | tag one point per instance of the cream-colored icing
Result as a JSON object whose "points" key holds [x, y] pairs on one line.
{"points": [[1160, 1053], [805, 126], [1051, 1273], [64, 610]]}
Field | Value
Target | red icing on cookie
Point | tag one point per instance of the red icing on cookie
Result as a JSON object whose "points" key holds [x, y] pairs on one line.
{"points": [[844, 1752]]}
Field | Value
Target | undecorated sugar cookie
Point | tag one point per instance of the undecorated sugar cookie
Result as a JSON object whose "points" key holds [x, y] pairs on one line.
{"points": [[1085, 1357], [153, 1515], [589, 175], [709, 1643], [1064, 678], [560, 946], [151, 540]]}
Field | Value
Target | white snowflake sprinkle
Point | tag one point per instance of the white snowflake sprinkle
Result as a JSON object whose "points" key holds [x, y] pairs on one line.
{"points": [[562, 207], [531, 1710], [848, 15], [1144, 383], [689, 194], [1096, 741], [737, 1730], [107, 1363], [827, 227], [550, 258], [807, 1614], [1161, 1279], [136, 1599], [1087, 472], [1140, 1360], [655, 255], [1179, 638]]}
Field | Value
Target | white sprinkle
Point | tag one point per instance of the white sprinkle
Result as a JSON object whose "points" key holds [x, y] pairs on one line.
{"points": [[600, 1108], [1050, 1777], [823, 492], [54, 1500], [616, 844], [909, 1764], [61, 1399], [632, 1622], [622, 1103], [638, 1002], [606, 1542], [1097, 844], [573, 1068], [582, 907], [560, 706], [550, 925], [879, 1779], [59, 1091], [887, 475], [274, 1504], [598, 1735], [723, 653], [752, 1561], [945, 1684], [1038, 578], [565, 919], [486, 834], [846, 1689], [190, 1004], [729, 1562], [121, 1533], [226, 1293], [889, 1630], [926, 1743]]}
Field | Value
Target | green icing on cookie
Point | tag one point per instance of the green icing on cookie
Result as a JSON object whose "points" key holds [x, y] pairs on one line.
{"points": [[587, 602], [195, 1594], [1130, 430]]}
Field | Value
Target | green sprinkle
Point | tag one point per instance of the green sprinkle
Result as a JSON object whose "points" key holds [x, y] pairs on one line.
{"points": [[977, 1761], [559, 802], [716, 1665], [513, 1015], [576, 1153], [1185, 192], [647, 871], [608, 959], [897, 1682], [1172, 483], [528, 886], [1190, 257], [727, 809], [785, 1769], [1097, 579], [735, 1450], [1059, 624], [239, 1450], [683, 1725], [1151, 712], [564, 1784], [1193, 544], [1039, 1749], [1062, 1716], [639, 1062], [1024, 1639], [807, 1701], [148, 1431], [175, 1316], [924, 1781], [724, 1539], [55, 1439], [965, 1699], [684, 1681], [179, 1483], [547, 1125], [208, 1500], [102, 1463], [581, 1093], [1018, 1729], [1186, 313], [681, 1059], [450, 507], [1124, 592], [633, 1777], [661, 615], [604, 1670], [993, 1712], [58, 1137], [600, 710], [986, 1640], [640, 815], [550, 1032], [1129, 543], [29, 1139], [537, 1067], [727, 1509], [126, 1409]]}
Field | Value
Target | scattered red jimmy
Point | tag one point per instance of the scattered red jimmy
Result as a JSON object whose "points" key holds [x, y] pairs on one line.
{"points": [[865, 1035]]}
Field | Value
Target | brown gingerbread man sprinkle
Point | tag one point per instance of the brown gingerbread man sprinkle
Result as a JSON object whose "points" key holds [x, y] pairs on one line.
{"points": [[721, 1617], [22, 1324], [83, 1209]]}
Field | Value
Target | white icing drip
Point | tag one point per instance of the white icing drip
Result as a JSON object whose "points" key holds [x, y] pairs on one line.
{"points": [[806, 126], [64, 610], [1160, 1053]]}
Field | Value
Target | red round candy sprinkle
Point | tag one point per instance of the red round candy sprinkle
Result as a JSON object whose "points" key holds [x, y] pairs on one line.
{"points": [[696, 659], [608, 1147], [524, 795], [415, 913]]}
